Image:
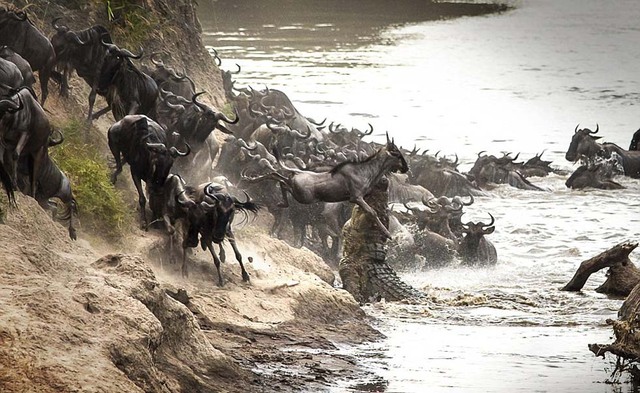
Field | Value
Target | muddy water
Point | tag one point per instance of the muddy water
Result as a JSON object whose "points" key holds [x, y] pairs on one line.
{"points": [[518, 81]]}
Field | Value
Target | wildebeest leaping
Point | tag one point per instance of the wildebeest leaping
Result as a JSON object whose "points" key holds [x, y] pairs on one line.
{"points": [[347, 181]]}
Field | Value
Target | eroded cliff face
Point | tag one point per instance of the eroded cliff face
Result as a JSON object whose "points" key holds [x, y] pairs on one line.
{"points": [[167, 27], [94, 315]]}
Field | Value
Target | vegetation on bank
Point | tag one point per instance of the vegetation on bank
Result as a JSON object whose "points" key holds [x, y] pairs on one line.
{"points": [[101, 206]]}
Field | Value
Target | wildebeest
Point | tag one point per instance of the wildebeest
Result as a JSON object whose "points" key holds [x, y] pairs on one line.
{"points": [[25, 132], [634, 141], [474, 248], [348, 181], [10, 75], [584, 144], [143, 144], [5, 176], [597, 175], [212, 222], [128, 90], [491, 169], [25, 69], [83, 52], [20, 34], [51, 183]]}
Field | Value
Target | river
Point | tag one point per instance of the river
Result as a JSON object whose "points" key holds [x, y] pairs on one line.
{"points": [[517, 81]]}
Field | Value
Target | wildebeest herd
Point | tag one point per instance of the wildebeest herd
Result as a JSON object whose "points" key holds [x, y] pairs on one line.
{"points": [[271, 152]]}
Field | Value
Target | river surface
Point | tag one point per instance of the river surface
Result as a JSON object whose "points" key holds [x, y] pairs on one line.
{"points": [[517, 81]]}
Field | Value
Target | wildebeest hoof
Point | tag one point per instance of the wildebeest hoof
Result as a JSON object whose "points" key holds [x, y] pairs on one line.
{"points": [[72, 234], [245, 277]]}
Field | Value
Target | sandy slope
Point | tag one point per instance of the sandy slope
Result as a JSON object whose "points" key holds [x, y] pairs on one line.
{"points": [[72, 319]]}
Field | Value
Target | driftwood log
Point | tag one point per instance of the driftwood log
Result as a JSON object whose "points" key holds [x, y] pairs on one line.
{"points": [[363, 268], [627, 332], [622, 277]]}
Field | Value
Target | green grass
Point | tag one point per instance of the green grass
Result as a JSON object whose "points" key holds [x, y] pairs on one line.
{"points": [[102, 207], [132, 23]]}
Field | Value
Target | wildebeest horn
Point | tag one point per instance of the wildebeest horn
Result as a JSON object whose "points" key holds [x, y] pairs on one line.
{"points": [[455, 163], [17, 15], [157, 63], [59, 28], [177, 153], [126, 53], [300, 134], [516, 157], [597, 129], [221, 116], [239, 69], [471, 200], [194, 99], [492, 221], [77, 39], [55, 142], [157, 146], [111, 47], [335, 129], [216, 58], [576, 130], [241, 142], [12, 107], [315, 123], [480, 153], [370, 131]]}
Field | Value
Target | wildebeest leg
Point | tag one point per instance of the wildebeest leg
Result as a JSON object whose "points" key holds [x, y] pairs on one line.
{"points": [[222, 253], [44, 74], [37, 165], [184, 269], [101, 112], [142, 201], [72, 209], [92, 101], [118, 158], [232, 241], [365, 206], [216, 261], [285, 200]]}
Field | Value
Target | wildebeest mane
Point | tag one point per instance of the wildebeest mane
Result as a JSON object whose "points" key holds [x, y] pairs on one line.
{"points": [[339, 166]]}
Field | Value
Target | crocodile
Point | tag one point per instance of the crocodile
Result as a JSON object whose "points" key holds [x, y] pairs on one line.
{"points": [[363, 268]]}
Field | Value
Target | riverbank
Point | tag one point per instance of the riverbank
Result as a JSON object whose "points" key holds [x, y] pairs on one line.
{"points": [[107, 313]]}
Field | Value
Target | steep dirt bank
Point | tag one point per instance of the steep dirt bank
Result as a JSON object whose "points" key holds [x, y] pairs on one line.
{"points": [[98, 315], [72, 318]]}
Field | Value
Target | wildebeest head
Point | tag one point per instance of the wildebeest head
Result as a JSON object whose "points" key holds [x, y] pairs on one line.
{"points": [[64, 36], [160, 157], [114, 61], [400, 164], [222, 207], [209, 119], [583, 143], [475, 231]]}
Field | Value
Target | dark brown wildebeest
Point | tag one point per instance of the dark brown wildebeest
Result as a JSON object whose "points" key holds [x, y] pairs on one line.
{"points": [[144, 145], [128, 90], [474, 248], [212, 220], [24, 132], [634, 141], [83, 52], [584, 144], [348, 181], [20, 34], [596, 175]]}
